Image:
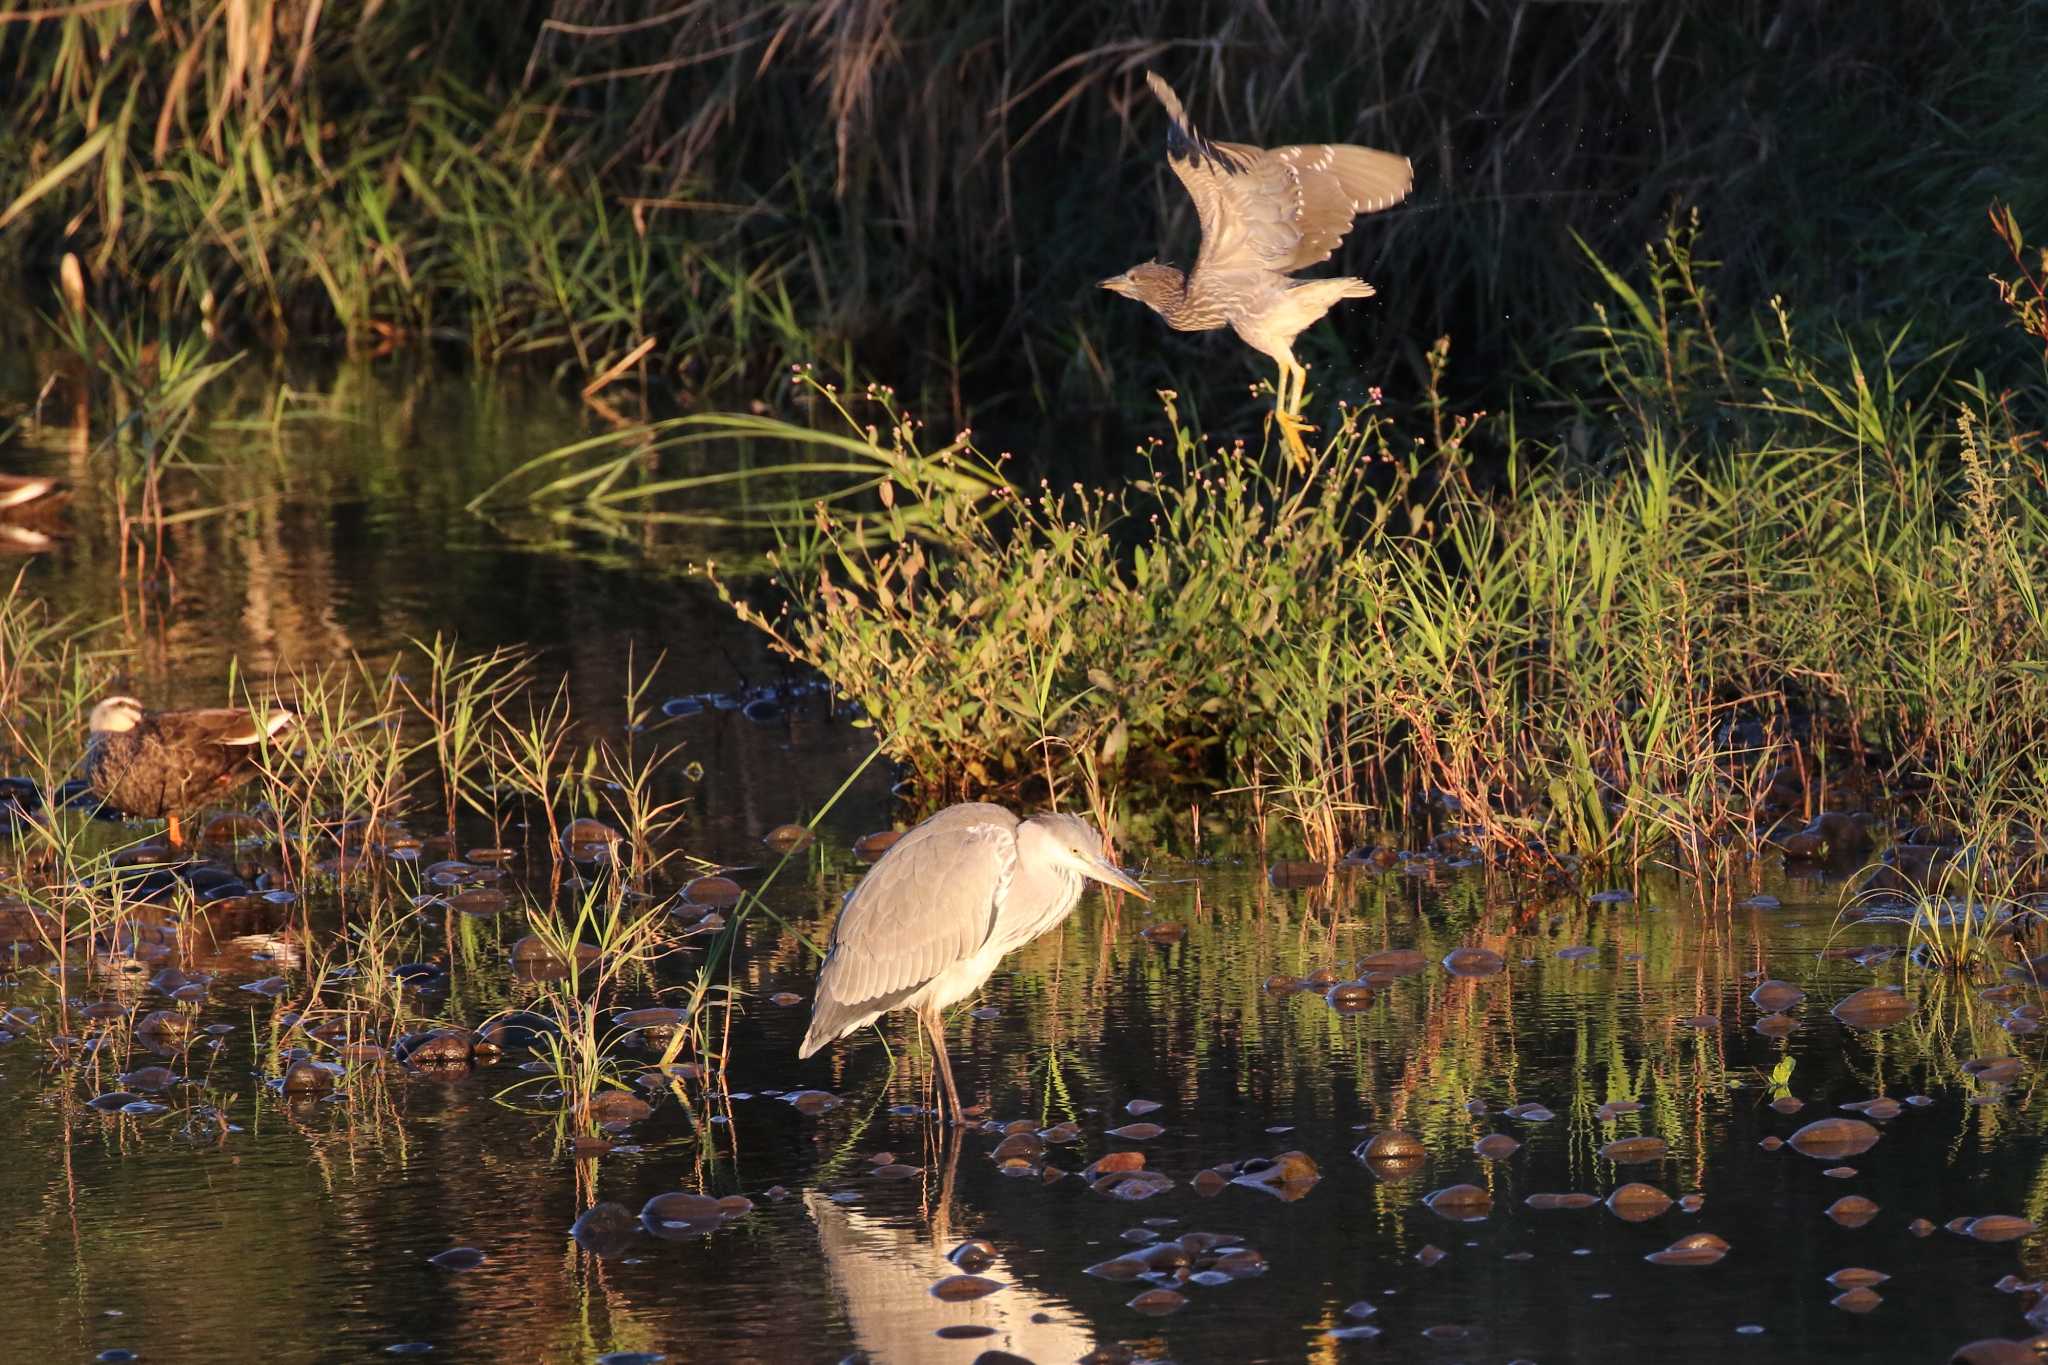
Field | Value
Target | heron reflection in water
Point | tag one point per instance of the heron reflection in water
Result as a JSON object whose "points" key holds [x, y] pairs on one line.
{"points": [[949, 900]]}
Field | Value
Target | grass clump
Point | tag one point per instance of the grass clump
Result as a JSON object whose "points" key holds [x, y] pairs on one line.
{"points": [[1668, 637]]}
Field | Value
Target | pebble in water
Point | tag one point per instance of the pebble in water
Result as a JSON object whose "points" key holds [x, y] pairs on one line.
{"points": [[788, 838], [1637, 1203], [1831, 1139], [1474, 962], [1460, 1203], [1874, 1007], [1393, 1155], [1634, 1151], [1693, 1249], [1157, 1303], [962, 1288], [1775, 997]]}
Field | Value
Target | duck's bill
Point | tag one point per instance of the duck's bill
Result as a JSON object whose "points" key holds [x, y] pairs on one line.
{"points": [[1111, 875]]}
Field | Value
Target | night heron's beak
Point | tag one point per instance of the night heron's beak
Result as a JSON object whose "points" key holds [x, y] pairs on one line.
{"points": [[1109, 874], [1114, 282]]}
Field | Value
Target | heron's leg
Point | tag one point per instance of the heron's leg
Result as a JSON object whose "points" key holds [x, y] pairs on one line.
{"points": [[935, 1025], [171, 829]]}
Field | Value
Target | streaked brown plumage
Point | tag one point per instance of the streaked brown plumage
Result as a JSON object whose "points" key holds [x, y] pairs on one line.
{"points": [[160, 764], [1264, 214]]}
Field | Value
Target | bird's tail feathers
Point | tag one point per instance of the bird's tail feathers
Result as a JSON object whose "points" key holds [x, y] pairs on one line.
{"points": [[1333, 288], [278, 719], [830, 1022]]}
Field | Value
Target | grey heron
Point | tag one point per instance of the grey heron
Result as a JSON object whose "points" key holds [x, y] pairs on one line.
{"points": [[949, 900]]}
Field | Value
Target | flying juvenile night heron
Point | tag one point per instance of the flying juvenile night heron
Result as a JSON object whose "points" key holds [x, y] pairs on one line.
{"points": [[1264, 215], [949, 900], [160, 764]]}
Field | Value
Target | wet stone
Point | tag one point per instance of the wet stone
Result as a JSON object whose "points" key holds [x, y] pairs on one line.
{"points": [[1157, 1303], [1394, 962], [788, 838], [963, 1288], [1694, 1249], [1775, 997], [1496, 1147], [1572, 1200], [1852, 1211], [1998, 1227], [1634, 1151], [869, 847], [1874, 1007], [458, 1258], [1460, 1203], [718, 892], [1994, 1070], [1831, 1139], [1297, 875], [1636, 1202], [1288, 1176], [1474, 962], [973, 1255]]}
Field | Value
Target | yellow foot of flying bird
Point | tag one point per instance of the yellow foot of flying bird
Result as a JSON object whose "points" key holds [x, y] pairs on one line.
{"points": [[1291, 428]]}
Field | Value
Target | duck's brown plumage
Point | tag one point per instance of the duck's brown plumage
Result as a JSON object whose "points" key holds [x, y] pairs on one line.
{"points": [[161, 764]]}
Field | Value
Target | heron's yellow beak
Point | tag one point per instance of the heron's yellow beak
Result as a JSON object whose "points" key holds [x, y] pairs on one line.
{"points": [[1109, 874]]}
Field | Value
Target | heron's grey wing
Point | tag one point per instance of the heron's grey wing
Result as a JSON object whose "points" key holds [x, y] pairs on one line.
{"points": [[1291, 206], [929, 903]]}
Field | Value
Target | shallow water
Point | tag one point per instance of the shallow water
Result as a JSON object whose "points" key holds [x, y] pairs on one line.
{"points": [[304, 1234]]}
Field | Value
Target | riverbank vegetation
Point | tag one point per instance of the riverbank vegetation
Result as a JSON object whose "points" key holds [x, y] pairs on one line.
{"points": [[1770, 577], [926, 194]]}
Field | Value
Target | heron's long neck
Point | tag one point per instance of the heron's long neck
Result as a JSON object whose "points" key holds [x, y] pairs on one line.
{"points": [[1044, 896]]}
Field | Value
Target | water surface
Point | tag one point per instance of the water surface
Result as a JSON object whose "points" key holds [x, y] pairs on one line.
{"points": [[303, 1231]]}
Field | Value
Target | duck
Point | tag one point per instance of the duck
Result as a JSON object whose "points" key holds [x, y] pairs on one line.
{"points": [[161, 764]]}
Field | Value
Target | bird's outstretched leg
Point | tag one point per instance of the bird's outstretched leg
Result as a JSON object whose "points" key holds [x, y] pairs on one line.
{"points": [[935, 1027], [171, 831], [1287, 409]]}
